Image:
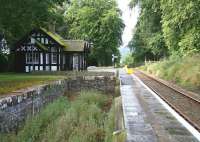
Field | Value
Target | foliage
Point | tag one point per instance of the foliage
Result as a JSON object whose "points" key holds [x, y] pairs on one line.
{"points": [[148, 41], [180, 22], [168, 25], [82, 120], [128, 60], [20, 16], [3, 62], [182, 70], [133, 3], [34, 127], [99, 22]]}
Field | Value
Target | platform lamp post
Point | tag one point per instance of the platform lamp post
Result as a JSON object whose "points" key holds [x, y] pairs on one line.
{"points": [[91, 44], [113, 59]]}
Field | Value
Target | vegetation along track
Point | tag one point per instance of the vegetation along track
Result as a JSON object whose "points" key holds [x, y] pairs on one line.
{"points": [[185, 105]]}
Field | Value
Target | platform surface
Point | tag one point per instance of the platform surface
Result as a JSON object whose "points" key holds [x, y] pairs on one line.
{"points": [[146, 119]]}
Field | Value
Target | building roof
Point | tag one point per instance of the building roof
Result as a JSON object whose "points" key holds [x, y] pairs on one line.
{"points": [[74, 45], [69, 45], [55, 36], [40, 45]]}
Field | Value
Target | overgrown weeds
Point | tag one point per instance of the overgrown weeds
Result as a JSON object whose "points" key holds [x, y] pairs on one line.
{"points": [[184, 71], [88, 118], [85, 121]]}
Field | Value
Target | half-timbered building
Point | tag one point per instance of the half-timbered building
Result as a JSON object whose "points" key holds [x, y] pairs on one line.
{"points": [[41, 50]]}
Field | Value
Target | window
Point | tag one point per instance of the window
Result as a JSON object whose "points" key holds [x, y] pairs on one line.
{"points": [[53, 49], [54, 58], [47, 58], [32, 40], [75, 62], [32, 58]]}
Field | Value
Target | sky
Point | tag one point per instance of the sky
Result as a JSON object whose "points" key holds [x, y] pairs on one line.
{"points": [[129, 17]]}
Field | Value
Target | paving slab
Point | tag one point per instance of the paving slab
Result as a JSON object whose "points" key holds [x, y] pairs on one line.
{"points": [[146, 119]]}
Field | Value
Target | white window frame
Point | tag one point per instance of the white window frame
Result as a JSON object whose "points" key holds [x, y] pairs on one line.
{"points": [[32, 58], [54, 58]]}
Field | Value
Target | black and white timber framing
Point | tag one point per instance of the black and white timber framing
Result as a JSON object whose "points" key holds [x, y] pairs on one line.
{"points": [[41, 50]]}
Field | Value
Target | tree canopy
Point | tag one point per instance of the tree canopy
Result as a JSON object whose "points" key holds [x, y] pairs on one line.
{"points": [[180, 25], [148, 41], [166, 28], [20, 16], [99, 22]]}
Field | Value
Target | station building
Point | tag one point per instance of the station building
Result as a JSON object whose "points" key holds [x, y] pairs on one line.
{"points": [[41, 50]]}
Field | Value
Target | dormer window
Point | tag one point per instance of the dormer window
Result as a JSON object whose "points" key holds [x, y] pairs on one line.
{"points": [[32, 41]]}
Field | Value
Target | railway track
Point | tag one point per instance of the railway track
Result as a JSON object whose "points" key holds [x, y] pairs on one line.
{"points": [[184, 104]]}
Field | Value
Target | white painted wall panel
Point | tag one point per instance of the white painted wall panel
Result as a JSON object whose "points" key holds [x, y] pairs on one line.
{"points": [[27, 69], [41, 58], [54, 68]]}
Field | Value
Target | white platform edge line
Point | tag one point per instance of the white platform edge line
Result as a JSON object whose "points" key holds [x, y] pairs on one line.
{"points": [[188, 126]]}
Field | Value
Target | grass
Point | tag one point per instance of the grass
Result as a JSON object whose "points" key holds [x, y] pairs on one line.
{"points": [[88, 118], [120, 132], [35, 126], [183, 71], [10, 82]]}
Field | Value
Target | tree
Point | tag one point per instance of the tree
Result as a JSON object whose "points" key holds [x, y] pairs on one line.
{"points": [[173, 24], [148, 40], [180, 23], [99, 22], [128, 60], [20, 16]]}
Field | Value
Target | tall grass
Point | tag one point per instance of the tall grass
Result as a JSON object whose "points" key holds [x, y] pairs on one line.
{"points": [[86, 119], [184, 71], [35, 126]]}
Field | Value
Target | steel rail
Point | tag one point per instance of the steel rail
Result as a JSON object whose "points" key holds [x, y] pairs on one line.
{"points": [[187, 118], [174, 89]]}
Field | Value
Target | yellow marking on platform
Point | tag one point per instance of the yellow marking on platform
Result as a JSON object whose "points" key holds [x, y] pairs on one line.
{"points": [[128, 70]]}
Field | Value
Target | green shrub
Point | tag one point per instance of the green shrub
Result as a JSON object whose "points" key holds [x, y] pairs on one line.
{"points": [[184, 71]]}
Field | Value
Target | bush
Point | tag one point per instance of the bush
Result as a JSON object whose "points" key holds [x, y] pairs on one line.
{"points": [[184, 71]]}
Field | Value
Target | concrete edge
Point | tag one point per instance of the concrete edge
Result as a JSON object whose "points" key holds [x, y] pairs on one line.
{"points": [[189, 127]]}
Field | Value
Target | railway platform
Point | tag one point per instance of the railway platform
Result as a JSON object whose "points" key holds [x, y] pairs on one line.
{"points": [[146, 119]]}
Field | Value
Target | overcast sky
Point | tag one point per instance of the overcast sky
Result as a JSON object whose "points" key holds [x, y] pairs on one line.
{"points": [[130, 19]]}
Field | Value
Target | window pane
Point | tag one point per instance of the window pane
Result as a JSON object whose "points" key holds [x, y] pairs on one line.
{"points": [[54, 58]]}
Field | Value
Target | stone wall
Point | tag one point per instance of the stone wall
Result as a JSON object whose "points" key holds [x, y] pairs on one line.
{"points": [[100, 83], [15, 109]]}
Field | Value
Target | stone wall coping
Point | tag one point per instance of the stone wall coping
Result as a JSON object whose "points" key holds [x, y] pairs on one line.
{"points": [[19, 95]]}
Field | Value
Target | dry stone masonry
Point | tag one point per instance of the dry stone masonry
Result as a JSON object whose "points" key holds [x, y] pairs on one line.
{"points": [[14, 109]]}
